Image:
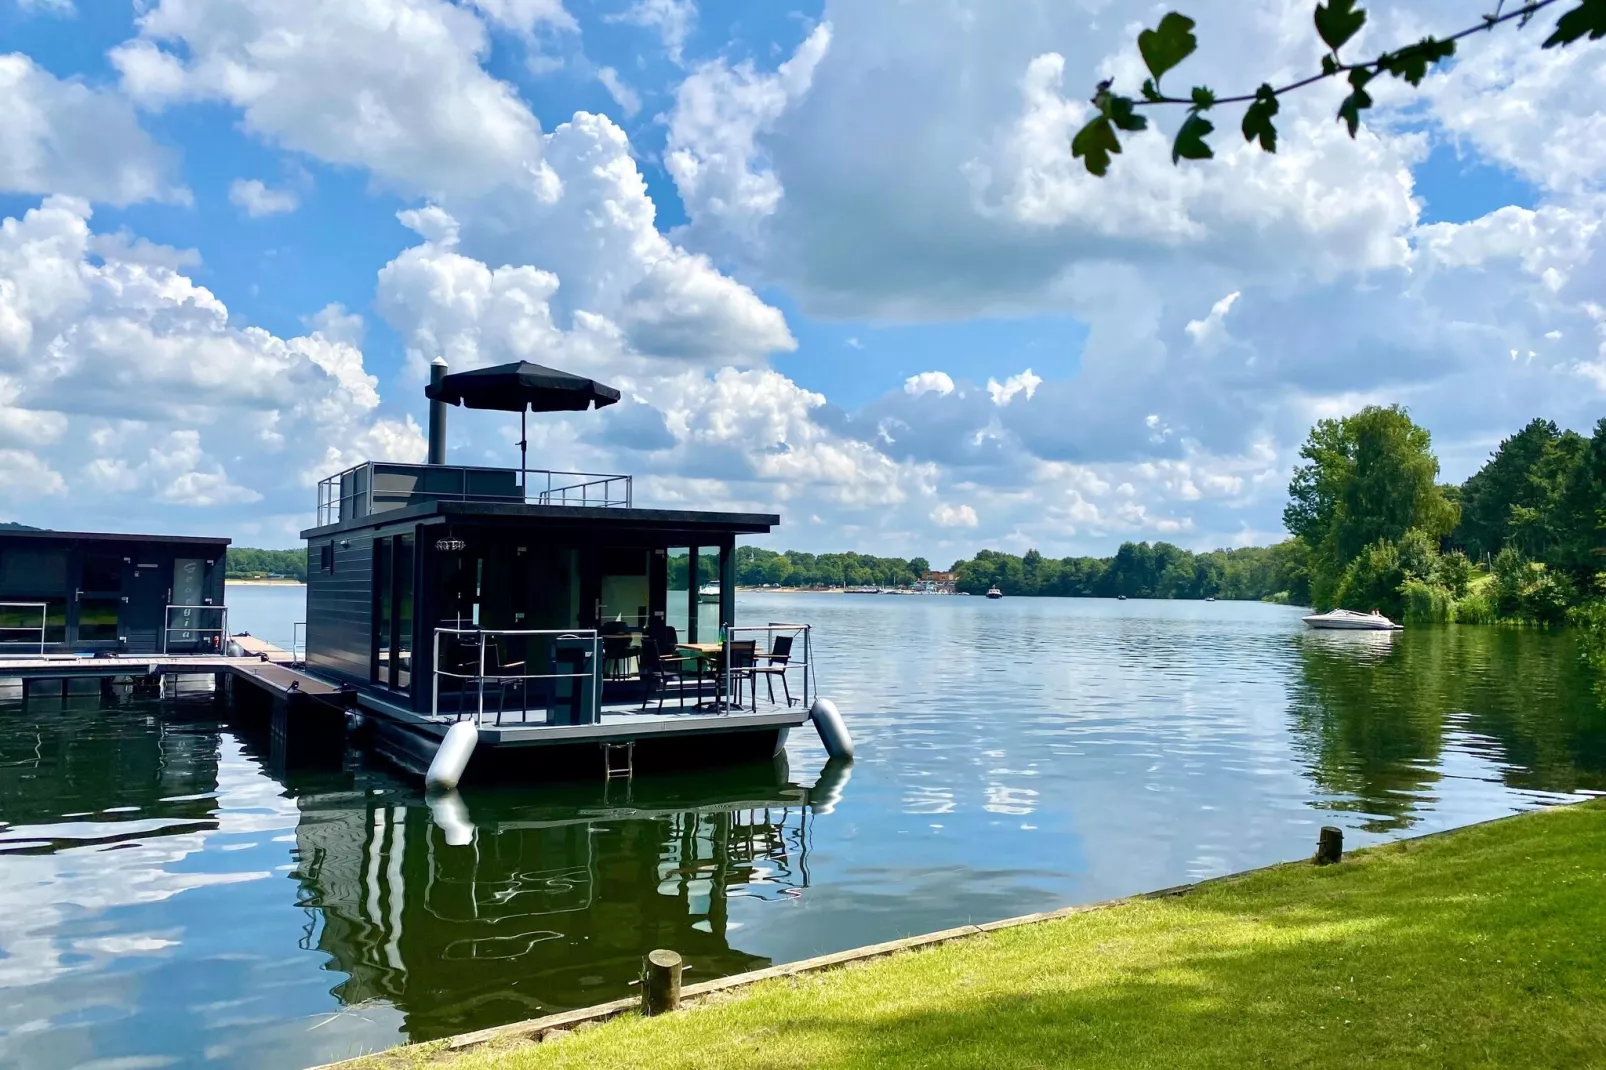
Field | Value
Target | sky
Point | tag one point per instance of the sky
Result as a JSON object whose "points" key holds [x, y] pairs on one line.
{"points": [[837, 257]]}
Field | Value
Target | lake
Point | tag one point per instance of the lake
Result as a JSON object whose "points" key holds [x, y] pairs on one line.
{"points": [[171, 893]]}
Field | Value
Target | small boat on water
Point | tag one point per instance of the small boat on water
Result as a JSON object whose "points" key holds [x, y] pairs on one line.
{"points": [[708, 593], [1210, 598], [994, 592], [1349, 620], [1120, 598]]}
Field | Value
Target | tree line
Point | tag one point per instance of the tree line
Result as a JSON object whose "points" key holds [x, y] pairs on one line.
{"points": [[1523, 539], [246, 563]]}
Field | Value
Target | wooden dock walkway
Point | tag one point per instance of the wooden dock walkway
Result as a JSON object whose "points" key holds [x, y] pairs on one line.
{"points": [[263, 665]]}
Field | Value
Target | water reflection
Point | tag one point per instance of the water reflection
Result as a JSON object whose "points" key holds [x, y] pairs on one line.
{"points": [[1373, 714], [553, 899]]}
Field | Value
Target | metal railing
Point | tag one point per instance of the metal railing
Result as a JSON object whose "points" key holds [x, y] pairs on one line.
{"points": [[378, 487], [791, 661], [596, 489], [190, 630], [298, 643], [44, 624], [484, 637]]}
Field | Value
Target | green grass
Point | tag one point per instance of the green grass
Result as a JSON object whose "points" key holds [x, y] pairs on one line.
{"points": [[1483, 947]]}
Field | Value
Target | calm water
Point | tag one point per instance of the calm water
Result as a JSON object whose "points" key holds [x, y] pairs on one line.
{"points": [[171, 894]]}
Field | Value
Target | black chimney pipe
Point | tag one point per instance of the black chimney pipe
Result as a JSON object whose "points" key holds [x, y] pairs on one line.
{"points": [[437, 414]]}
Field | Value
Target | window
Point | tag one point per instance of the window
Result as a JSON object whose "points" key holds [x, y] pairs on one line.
{"points": [[326, 557]]}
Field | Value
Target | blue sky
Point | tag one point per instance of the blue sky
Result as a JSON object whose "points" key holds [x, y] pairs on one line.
{"points": [[838, 258]]}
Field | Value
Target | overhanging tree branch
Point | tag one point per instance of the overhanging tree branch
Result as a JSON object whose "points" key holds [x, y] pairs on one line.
{"points": [[1337, 21]]}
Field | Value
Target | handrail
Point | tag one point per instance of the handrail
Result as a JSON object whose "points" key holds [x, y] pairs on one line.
{"points": [[44, 621], [805, 663], [350, 494], [298, 642], [222, 630], [480, 677]]}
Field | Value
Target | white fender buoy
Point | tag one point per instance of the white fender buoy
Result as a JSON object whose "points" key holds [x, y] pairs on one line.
{"points": [[827, 790], [452, 758], [833, 732], [450, 815]]}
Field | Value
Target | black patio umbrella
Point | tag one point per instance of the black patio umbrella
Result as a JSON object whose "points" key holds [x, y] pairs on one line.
{"points": [[521, 387]]}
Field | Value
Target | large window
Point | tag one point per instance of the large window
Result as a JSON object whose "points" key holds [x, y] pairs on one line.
{"points": [[677, 607], [624, 588], [31, 577]]}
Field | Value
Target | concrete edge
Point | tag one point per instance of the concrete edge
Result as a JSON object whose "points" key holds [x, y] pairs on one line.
{"points": [[535, 1029]]}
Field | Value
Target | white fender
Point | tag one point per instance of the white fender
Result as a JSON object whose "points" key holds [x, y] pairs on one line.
{"points": [[452, 758], [833, 732], [450, 815]]}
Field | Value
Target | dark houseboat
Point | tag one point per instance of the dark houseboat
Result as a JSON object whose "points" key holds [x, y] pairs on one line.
{"points": [[546, 609], [69, 593]]}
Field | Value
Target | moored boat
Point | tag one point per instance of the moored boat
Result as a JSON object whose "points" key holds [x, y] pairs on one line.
{"points": [[1349, 620], [994, 592]]}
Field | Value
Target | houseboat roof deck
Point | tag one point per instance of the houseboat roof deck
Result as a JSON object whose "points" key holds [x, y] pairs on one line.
{"points": [[112, 536], [584, 516]]}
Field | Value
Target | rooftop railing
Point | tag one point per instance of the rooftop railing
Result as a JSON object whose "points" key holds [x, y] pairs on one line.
{"points": [[378, 487]]}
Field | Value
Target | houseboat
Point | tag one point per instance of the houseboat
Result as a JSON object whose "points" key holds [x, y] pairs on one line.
{"points": [[544, 622], [67, 593]]}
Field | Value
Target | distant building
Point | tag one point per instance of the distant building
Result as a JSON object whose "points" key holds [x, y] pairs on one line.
{"points": [[937, 583]]}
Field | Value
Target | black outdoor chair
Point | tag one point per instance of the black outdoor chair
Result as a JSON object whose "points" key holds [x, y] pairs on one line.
{"points": [[659, 673], [743, 656], [618, 647], [510, 675], [776, 663]]}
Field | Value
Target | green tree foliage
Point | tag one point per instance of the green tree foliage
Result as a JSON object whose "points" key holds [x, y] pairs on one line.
{"points": [[1367, 478], [1143, 570], [1336, 23], [248, 563], [756, 566]]}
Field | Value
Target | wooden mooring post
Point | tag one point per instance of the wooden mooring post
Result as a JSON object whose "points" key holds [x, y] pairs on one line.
{"points": [[1330, 845], [660, 982]]}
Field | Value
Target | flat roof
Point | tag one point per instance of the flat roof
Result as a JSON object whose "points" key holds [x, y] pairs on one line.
{"points": [[560, 516], [111, 536]]}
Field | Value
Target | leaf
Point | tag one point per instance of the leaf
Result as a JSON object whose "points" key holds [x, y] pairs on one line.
{"points": [[1204, 98], [1589, 17], [1412, 61], [1257, 119], [1339, 20], [1121, 113], [1190, 142], [1151, 92], [1094, 143], [1358, 100], [1168, 44], [1329, 65]]}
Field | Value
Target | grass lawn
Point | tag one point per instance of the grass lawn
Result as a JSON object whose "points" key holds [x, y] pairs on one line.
{"points": [[1483, 947]]}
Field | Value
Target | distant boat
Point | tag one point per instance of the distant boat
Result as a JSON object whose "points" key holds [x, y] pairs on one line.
{"points": [[994, 592], [1210, 598], [1351, 621], [1120, 598], [708, 592]]}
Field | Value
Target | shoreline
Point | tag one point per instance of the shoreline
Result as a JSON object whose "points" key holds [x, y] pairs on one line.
{"points": [[525, 1040], [263, 583]]}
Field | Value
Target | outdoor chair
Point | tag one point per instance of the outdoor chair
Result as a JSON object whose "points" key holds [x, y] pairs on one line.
{"points": [[659, 673], [509, 674], [743, 656], [618, 648], [776, 663]]}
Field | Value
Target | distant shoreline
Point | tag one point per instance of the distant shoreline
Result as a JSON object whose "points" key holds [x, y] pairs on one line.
{"points": [[264, 583]]}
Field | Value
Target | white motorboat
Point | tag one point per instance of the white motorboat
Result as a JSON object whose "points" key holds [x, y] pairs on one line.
{"points": [[994, 592], [708, 593], [1349, 620]]}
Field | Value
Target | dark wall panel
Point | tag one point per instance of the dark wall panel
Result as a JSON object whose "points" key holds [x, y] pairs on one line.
{"points": [[340, 607]]}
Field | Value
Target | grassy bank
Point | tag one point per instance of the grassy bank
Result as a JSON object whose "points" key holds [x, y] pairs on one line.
{"points": [[1482, 947]]}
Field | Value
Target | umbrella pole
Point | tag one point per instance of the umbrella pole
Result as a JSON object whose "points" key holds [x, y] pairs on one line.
{"points": [[524, 478]]}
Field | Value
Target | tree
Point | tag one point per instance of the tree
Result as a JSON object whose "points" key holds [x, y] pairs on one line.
{"points": [[1336, 22], [1368, 478]]}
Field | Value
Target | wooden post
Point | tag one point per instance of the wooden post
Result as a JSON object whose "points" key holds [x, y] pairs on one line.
{"points": [[1330, 846], [660, 983]]}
